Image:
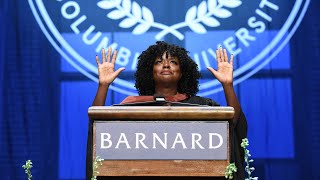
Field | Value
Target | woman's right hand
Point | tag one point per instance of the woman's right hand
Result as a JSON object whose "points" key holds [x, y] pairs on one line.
{"points": [[106, 69]]}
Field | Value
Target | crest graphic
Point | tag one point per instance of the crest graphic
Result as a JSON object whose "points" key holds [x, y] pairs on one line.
{"points": [[255, 32], [133, 14]]}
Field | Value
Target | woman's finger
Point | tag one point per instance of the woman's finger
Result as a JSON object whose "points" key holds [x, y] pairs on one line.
{"points": [[225, 55], [114, 57], [213, 71], [218, 57], [109, 54], [97, 60], [103, 55], [221, 54], [119, 70], [231, 60]]}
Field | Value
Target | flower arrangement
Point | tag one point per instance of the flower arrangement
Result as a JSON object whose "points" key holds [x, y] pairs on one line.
{"points": [[97, 162], [247, 155], [231, 168], [27, 169]]}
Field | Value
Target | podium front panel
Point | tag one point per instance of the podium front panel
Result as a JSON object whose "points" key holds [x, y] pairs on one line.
{"points": [[175, 144]]}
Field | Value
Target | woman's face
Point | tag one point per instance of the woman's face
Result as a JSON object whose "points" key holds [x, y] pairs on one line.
{"points": [[166, 70]]}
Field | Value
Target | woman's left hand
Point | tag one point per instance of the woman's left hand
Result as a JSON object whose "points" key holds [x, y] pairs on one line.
{"points": [[224, 74]]}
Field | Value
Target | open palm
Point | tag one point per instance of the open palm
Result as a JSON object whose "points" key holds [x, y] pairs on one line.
{"points": [[224, 74], [106, 69]]}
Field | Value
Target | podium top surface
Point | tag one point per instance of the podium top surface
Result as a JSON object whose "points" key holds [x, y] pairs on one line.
{"points": [[160, 113]]}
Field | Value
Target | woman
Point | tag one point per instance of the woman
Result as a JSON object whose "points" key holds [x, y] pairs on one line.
{"points": [[167, 70]]}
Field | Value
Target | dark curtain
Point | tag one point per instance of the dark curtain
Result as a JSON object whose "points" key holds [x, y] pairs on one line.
{"points": [[29, 95], [306, 94]]}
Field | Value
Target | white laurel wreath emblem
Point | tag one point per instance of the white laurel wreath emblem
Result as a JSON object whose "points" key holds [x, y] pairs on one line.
{"points": [[206, 13]]}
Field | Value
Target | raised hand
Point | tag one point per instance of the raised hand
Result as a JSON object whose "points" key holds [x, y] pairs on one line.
{"points": [[106, 69], [224, 74]]}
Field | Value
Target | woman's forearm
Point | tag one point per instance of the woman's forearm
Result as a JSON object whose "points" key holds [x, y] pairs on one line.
{"points": [[101, 95], [232, 100]]}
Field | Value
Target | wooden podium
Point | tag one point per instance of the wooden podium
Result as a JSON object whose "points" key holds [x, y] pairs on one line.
{"points": [[150, 167]]}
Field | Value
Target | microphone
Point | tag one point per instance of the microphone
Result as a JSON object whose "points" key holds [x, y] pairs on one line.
{"points": [[159, 98]]}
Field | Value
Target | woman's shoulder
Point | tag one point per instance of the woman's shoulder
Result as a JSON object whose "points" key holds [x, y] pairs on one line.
{"points": [[201, 101]]}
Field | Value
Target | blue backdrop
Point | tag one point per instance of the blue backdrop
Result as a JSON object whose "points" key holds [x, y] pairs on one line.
{"points": [[48, 75]]}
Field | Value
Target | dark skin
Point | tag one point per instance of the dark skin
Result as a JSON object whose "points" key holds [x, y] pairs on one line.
{"points": [[106, 76], [224, 75], [166, 74]]}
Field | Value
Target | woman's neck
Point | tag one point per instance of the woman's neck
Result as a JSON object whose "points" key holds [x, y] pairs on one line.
{"points": [[163, 91]]}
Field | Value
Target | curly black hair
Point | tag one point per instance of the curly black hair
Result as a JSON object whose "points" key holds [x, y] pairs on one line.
{"points": [[189, 82]]}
